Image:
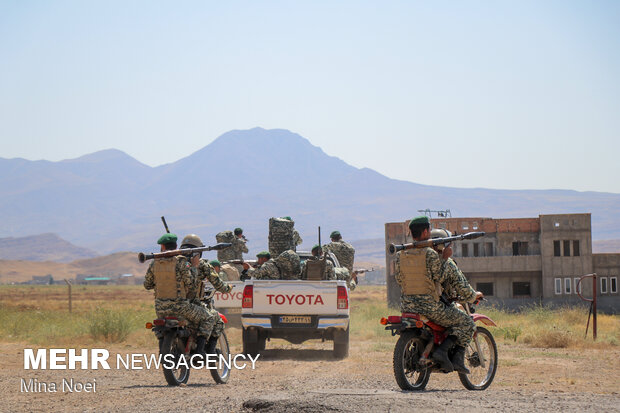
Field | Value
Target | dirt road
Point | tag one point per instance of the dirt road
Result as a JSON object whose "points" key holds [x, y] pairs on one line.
{"points": [[288, 380]]}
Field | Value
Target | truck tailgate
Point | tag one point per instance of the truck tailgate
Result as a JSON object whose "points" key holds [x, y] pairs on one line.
{"points": [[295, 297], [231, 299]]}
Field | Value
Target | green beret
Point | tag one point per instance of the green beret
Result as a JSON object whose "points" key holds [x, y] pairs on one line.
{"points": [[215, 263], [422, 219], [238, 231], [287, 218], [167, 239], [334, 234], [263, 254], [316, 246]]}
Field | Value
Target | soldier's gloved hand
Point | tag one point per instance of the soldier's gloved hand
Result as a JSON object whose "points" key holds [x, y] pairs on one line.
{"points": [[446, 253]]}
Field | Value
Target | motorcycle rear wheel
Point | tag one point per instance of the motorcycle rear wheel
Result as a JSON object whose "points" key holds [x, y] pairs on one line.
{"points": [[407, 353], [480, 377], [174, 345], [222, 373]]}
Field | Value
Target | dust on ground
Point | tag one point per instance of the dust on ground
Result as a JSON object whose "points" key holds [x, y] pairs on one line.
{"points": [[307, 379]]}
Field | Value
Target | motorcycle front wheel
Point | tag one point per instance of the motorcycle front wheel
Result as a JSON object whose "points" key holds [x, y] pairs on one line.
{"points": [[174, 345], [481, 364], [408, 351], [222, 373]]}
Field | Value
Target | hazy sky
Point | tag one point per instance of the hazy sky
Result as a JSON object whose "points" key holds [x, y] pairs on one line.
{"points": [[521, 94]]}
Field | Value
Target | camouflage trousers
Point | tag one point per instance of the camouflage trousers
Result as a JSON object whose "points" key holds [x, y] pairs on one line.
{"points": [[196, 315], [457, 322]]}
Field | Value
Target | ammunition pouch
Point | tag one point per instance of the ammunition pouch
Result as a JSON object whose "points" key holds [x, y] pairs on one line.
{"points": [[414, 274]]}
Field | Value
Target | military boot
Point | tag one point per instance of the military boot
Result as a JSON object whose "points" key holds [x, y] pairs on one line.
{"points": [[440, 355], [458, 360], [211, 344], [200, 345]]}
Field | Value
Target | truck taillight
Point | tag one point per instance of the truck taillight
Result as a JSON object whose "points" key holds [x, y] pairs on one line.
{"points": [[248, 297], [343, 298]]}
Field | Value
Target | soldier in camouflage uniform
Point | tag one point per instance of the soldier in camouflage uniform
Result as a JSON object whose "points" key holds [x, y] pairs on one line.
{"points": [[201, 270], [420, 273], [455, 284], [286, 266], [342, 250], [296, 237], [317, 252], [248, 271], [239, 245], [173, 281]]}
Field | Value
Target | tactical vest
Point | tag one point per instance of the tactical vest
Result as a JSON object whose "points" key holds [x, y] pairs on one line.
{"points": [[166, 285], [315, 269], [414, 274]]}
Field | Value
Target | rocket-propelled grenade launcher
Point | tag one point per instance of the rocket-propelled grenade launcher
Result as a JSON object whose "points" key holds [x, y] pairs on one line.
{"points": [[184, 251], [434, 241]]}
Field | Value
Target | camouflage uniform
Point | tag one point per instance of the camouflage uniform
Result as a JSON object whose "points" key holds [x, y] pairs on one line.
{"points": [[199, 274], [268, 271], [457, 323], [344, 274], [343, 251], [180, 307], [296, 238], [330, 273], [455, 283], [234, 252]]}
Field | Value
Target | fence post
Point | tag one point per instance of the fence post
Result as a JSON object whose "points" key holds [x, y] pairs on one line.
{"points": [[69, 285]]}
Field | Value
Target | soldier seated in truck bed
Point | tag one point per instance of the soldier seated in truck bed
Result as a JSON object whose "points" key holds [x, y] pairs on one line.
{"points": [[317, 266]]}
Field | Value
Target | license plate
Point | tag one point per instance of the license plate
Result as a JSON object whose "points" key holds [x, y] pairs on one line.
{"points": [[295, 319]]}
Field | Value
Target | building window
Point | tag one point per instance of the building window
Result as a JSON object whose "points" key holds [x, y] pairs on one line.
{"points": [[488, 249], [613, 285], [576, 248], [474, 226], [476, 249], [558, 286], [519, 248], [556, 224], [567, 285], [556, 248], [464, 250], [465, 226], [577, 286], [521, 289], [567, 248], [604, 285], [485, 288]]}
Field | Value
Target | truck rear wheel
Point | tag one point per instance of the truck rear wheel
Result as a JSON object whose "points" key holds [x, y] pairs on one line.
{"points": [[341, 344], [252, 343]]}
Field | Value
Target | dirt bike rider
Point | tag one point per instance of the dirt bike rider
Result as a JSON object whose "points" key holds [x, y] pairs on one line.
{"points": [[421, 273], [172, 279], [201, 270]]}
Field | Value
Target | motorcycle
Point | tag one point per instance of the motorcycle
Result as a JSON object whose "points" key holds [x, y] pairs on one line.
{"points": [[419, 337], [176, 337]]}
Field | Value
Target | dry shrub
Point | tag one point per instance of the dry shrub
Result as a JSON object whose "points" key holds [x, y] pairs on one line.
{"points": [[554, 338]]}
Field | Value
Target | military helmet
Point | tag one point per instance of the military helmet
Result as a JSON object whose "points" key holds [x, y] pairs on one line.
{"points": [[441, 233], [192, 241]]}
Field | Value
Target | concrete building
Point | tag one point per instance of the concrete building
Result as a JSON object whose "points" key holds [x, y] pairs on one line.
{"points": [[525, 260]]}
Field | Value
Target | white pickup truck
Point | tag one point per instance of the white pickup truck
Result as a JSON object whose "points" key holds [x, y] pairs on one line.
{"points": [[229, 304], [295, 310]]}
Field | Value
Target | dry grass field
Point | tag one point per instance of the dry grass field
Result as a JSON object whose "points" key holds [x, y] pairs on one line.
{"points": [[545, 363]]}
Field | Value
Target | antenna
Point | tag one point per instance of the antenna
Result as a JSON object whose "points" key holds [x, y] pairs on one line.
{"points": [[440, 214]]}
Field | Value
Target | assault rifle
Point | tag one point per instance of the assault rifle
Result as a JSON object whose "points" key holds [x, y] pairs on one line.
{"points": [[184, 251], [362, 271], [251, 263], [433, 241]]}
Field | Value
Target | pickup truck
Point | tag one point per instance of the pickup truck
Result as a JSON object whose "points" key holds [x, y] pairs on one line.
{"points": [[229, 304], [295, 310]]}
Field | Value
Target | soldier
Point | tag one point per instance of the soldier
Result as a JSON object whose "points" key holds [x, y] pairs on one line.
{"points": [[239, 245], [317, 253], [286, 266], [172, 280], [202, 270], [342, 250], [248, 271], [419, 272]]}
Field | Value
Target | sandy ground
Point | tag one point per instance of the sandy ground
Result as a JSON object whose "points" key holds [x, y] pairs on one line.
{"points": [[290, 379]]}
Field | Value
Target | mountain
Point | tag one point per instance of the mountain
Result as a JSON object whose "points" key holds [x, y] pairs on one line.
{"points": [[108, 201], [43, 247]]}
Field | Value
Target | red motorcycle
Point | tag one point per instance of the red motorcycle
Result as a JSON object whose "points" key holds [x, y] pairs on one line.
{"points": [[419, 337]]}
